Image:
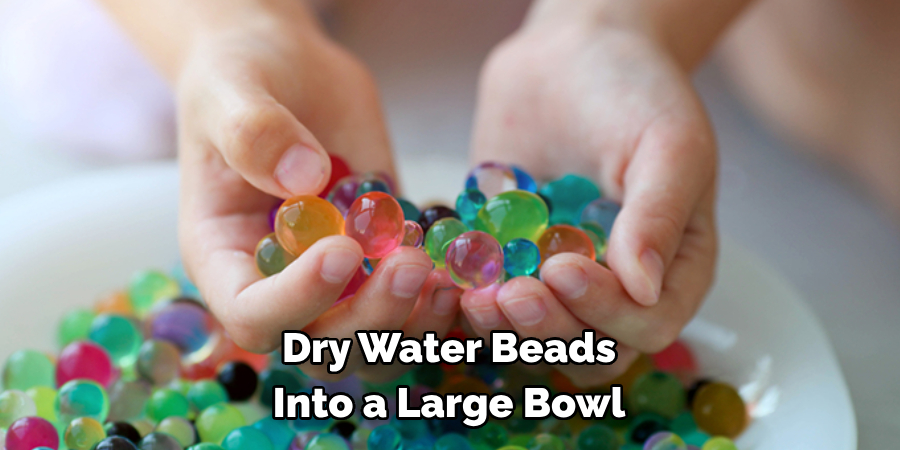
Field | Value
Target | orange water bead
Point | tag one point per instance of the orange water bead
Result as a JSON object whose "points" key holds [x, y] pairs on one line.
{"points": [[565, 239], [719, 410], [303, 220], [115, 303], [464, 384]]}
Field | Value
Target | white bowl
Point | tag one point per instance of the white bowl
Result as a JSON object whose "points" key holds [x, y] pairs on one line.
{"points": [[66, 244]]}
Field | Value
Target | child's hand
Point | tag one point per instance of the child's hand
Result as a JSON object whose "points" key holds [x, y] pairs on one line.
{"points": [[258, 108], [579, 96]]}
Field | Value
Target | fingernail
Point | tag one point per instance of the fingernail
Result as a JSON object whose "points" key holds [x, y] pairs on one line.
{"points": [[445, 300], [653, 271], [481, 307], [338, 265], [569, 281], [526, 310], [300, 170], [408, 280], [484, 316]]}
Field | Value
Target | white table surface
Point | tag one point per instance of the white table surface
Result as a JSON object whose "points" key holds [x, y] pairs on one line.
{"points": [[828, 238]]}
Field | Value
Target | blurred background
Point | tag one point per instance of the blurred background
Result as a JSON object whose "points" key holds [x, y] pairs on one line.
{"points": [[75, 97]]}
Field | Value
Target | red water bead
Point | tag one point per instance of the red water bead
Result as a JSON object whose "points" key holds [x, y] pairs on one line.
{"points": [[359, 277], [375, 220], [565, 239], [675, 358], [339, 169], [82, 359], [28, 433]]}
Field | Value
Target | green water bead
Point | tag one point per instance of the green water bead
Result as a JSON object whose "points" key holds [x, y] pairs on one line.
{"points": [[598, 237], [430, 375], [216, 421], [150, 287], [82, 398], [719, 443], [520, 440], [247, 438], [206, 393], [206, 446], [74, 326], [45, 401], [568, 195], [491, 434], [179, 428], [119, 336], [271, 258], [598, 437], [181, 386], [683, 423], [14, 405], [83, 433], [517, 423], [327, 441], [25, 369], [696, 438], [657, 392], [167, 403], [546, 441], [439, 236], [512, 215]]}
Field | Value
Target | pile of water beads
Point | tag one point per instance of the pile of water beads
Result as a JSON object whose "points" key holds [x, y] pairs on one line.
{"points": [[503, 224]]}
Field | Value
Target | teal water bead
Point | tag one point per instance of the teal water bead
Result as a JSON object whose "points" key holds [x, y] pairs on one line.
{"points": [[601, 211], [205, 393], [247, 438], [216, 421], [439, 237], [657, 392], [167, 402], [82, 398], [289, 379], [14, 405], [74, 326], [545, 441], [206, 446], [521, 257], [373, 184], [468, 203], [696, 438], [149, 287], [513, 215], [328, 441], [719, 443], [119, 336], [569, 195], [683, 423], [598, 437], [491, 434], [384, 437], [26, 369], [179, 428], [360, 438], [410, 211], [279, 432]]}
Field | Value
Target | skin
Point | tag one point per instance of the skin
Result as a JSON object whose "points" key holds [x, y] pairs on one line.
{"points": [[262, 94]]}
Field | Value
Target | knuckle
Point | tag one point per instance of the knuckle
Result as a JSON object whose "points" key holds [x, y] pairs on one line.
{"points": [[661, 336], [249, 129]]}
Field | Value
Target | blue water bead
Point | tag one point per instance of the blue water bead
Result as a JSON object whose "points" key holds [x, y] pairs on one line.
{"points": [[601, 211], [569, 195], [410, 211], [521, 257], [328, 441], [426, 443], [524, 180], [452, 441], [247, 438], [384, 437], [278, 432], [373, 185], [468, 203]]}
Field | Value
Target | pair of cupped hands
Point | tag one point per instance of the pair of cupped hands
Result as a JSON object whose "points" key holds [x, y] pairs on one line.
{"points": [[261, 108]]}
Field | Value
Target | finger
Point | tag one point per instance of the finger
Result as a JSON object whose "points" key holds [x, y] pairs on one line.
{"points": [[254, 310], [435, 311], [534, 312], [384, 302], [669, 173], [482, 312]]}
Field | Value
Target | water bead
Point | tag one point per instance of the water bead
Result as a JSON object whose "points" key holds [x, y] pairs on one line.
{"points": [[158, 362], [247, 438], [513, 215], [144, 426], [149, 287], [119, 336], [278, 432], [719, 443], [432, 214], [180, 385], [645, 425], [328, 441], [439, 237], [27, 433], [468, 203], [289, 379], [167, 403], [206, 446], [186, 324], [74, 327], [356, 282], [303, 438], [238, 379], [429, 375], [343, 193], [665, 440], [127, 399], [565, 239], [597, 437], [521, 257], [384, 437], [719, 410], [569, 195], [25, 369], [82, 398], [115, 303], [676, 358], [271, 258], [492, 434], [359, 439], [375, 220], [410, 211], [216, 421], [601, 211], [159, 441], [545, 441], [205, 393], [373, 185], [273, 215], [455, 441], [491, 178], [123, 430], [657, 392], [179, 428], [339, 170], [45, 401], [412, 234], [683, 423], [115, 443], [305, 219], [343, 428], [598, 238], [83, 433], [474, 260]]}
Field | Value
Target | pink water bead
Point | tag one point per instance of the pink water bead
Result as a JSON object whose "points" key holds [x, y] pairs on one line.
{"points": [[28, 433], [474, 260], [82, 359], [375, 220]]}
